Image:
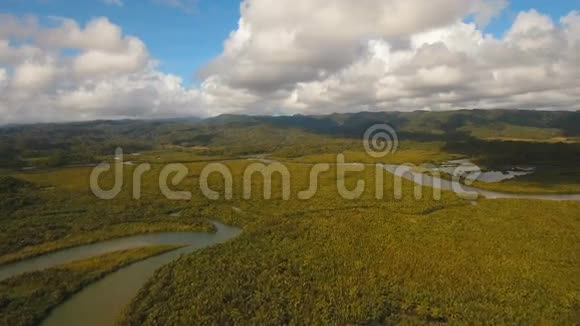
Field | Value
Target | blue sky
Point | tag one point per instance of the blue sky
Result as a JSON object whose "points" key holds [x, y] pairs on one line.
{"points": [[120, 58], [183, 40], [554, 8]]}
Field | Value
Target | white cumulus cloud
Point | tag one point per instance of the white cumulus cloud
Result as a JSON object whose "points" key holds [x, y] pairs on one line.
{"points": [[396, 55], [114, 2], [300, 56]]}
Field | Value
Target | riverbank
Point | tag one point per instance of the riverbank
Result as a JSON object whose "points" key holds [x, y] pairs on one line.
{"points": [[27, 299], [102, 302], [109, 233]]}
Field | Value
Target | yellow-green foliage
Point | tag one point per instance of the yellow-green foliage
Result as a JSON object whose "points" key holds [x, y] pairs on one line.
{"points": [[171, 155], [64, 213], [28, 298], [329, 260], [326, 260], [411, 156], [502, 262], [510, 131], [106, 233]]}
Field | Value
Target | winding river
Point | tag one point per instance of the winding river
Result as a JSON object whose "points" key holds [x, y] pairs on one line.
{"points": [[102, 302], [426, 180], [423, 179]]}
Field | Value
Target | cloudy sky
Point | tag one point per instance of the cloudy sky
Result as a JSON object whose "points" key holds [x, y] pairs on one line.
{"points": [[65, 60]]}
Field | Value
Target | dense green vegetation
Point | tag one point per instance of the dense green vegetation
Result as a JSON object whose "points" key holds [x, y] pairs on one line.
{"points": [[334, 261], [494, 139], [289, 136], [365, 266], [46, 211], [556, 164], [28, 298], [15, 194], [325, 260]]}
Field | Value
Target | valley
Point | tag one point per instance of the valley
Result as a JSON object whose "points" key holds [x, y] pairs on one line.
{"points": [[327, 259]]}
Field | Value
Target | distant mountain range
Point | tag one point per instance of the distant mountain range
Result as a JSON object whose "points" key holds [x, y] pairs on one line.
{"points": [[254, 134], [568, 123]]}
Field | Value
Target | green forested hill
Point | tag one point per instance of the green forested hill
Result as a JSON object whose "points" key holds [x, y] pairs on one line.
{"points": [[28, 145]]}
